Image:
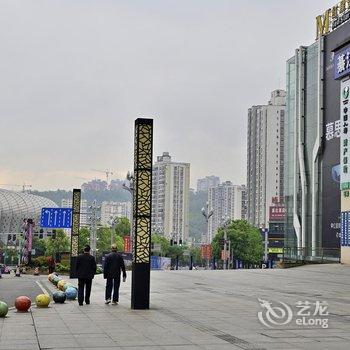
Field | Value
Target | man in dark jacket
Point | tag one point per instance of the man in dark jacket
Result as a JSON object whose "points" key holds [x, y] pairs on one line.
{"points": [[113, 266], [86, 269]]}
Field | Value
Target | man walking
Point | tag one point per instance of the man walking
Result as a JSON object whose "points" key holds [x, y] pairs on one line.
{"points": [[113, 266], [86, 269]]}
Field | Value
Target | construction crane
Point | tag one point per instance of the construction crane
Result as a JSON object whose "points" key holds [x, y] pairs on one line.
{"points": [[106, 172], [24, 186]]}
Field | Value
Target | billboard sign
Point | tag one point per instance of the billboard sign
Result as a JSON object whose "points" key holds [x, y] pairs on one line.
{"points": [[342, 63], [127, 244]]}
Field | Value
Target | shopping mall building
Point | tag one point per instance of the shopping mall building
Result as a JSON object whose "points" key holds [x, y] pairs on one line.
{"points": [[317, 142]]}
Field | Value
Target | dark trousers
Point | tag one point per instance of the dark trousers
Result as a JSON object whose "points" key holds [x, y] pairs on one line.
{"points": [[112, 283], [84, 283]]}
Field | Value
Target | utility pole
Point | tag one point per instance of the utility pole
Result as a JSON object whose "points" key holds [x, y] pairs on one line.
{"points": [[207, 215], [226, 223], [93, 218], [266, 242]]}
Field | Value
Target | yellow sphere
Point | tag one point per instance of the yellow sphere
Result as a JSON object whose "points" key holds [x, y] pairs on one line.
{"points": [[42, 300], [61, 284], [49, 277]]}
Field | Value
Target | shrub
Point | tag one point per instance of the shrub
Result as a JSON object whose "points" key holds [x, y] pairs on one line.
{"points": [[62, 267]]}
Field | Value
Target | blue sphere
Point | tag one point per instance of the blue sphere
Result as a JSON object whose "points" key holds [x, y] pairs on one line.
{"points": [[71, 293]]}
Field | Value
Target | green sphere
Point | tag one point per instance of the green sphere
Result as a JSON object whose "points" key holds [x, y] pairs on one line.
{"points": [[3, 309]]}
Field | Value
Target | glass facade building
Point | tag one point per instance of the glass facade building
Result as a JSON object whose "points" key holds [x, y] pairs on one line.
{"points": [[312, 150], [303, 130]]}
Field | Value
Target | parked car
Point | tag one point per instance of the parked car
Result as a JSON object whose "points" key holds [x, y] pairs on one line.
{"points": [[4, 269]]}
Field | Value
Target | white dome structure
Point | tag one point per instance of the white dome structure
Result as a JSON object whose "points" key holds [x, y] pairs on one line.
{"points": [[17, 206]]}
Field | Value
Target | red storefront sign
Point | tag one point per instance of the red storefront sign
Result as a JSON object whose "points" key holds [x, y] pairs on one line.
{"points": [[206, 251], [277, 213], [127, 244]]}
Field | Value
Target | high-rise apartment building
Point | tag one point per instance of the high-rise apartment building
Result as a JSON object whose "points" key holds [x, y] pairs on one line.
{"points": [[225, 200], [265, 157], [67, 203], [112, 210], [170, 198], [203, 185]]}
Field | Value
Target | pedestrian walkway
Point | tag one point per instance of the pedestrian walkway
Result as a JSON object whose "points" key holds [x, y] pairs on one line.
{"points": [[192, 310]]}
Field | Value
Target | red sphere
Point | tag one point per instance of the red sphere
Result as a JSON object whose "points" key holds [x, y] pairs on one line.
{"points": [[22, 303]]}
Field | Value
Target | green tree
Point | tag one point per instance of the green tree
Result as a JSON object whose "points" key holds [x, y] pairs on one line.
{"points": [[159, 239], [84, 237], [246, 242], [123, 227], [196, 255], [39, 245], [104, 240], [58, 243], [176, 251]]}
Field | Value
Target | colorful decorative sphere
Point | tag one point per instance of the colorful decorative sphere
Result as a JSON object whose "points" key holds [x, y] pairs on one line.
{"points": [[49, 276], [42, 300], [59, 297], [71, 293], [60, 284], [68, 285], [3, 309], [23, 303], [56, 279]]}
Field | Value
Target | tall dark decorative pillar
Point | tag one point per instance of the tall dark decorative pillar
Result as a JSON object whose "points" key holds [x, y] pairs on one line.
{"points": [[74, 248], [142, 207]]}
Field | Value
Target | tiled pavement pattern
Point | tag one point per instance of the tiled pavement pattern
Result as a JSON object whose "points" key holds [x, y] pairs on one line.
{"points": [[192, 310]]}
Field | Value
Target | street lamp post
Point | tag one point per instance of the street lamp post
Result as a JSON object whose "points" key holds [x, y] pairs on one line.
{"points": [[207, 215], [93, 226], [129, 186], [225, 225]]}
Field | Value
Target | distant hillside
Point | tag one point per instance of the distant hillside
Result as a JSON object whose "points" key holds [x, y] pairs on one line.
{"points": [[100, 196], [197, 202]]}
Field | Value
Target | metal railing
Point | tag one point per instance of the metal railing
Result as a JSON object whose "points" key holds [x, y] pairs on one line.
{"points": [[307, 254]]}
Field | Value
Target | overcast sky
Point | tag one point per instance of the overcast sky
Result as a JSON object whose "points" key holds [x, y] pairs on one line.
{"points": [[75, 74]]}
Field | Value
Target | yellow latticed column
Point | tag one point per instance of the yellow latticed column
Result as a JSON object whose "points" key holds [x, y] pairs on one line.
{"points": [[74, 250], [142, 208]]}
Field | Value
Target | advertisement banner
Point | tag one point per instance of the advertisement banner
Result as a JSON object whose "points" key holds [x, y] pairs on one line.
{"points": [[345, 135], [127, 244], [206, 251]]}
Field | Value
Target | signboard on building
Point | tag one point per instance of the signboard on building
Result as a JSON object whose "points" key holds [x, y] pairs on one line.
{"points": [[275, 250], [332, 18], [277, 213], [345, 135], [342, 62]]}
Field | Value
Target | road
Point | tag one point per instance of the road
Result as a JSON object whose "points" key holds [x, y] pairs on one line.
{"points": [[12, 287]]}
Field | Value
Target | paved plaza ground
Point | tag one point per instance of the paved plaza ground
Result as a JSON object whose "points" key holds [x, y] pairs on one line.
{"points": [[197, 310]]}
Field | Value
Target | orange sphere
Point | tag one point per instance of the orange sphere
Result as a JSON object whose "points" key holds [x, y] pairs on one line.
{"points": [[22, 303]]}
